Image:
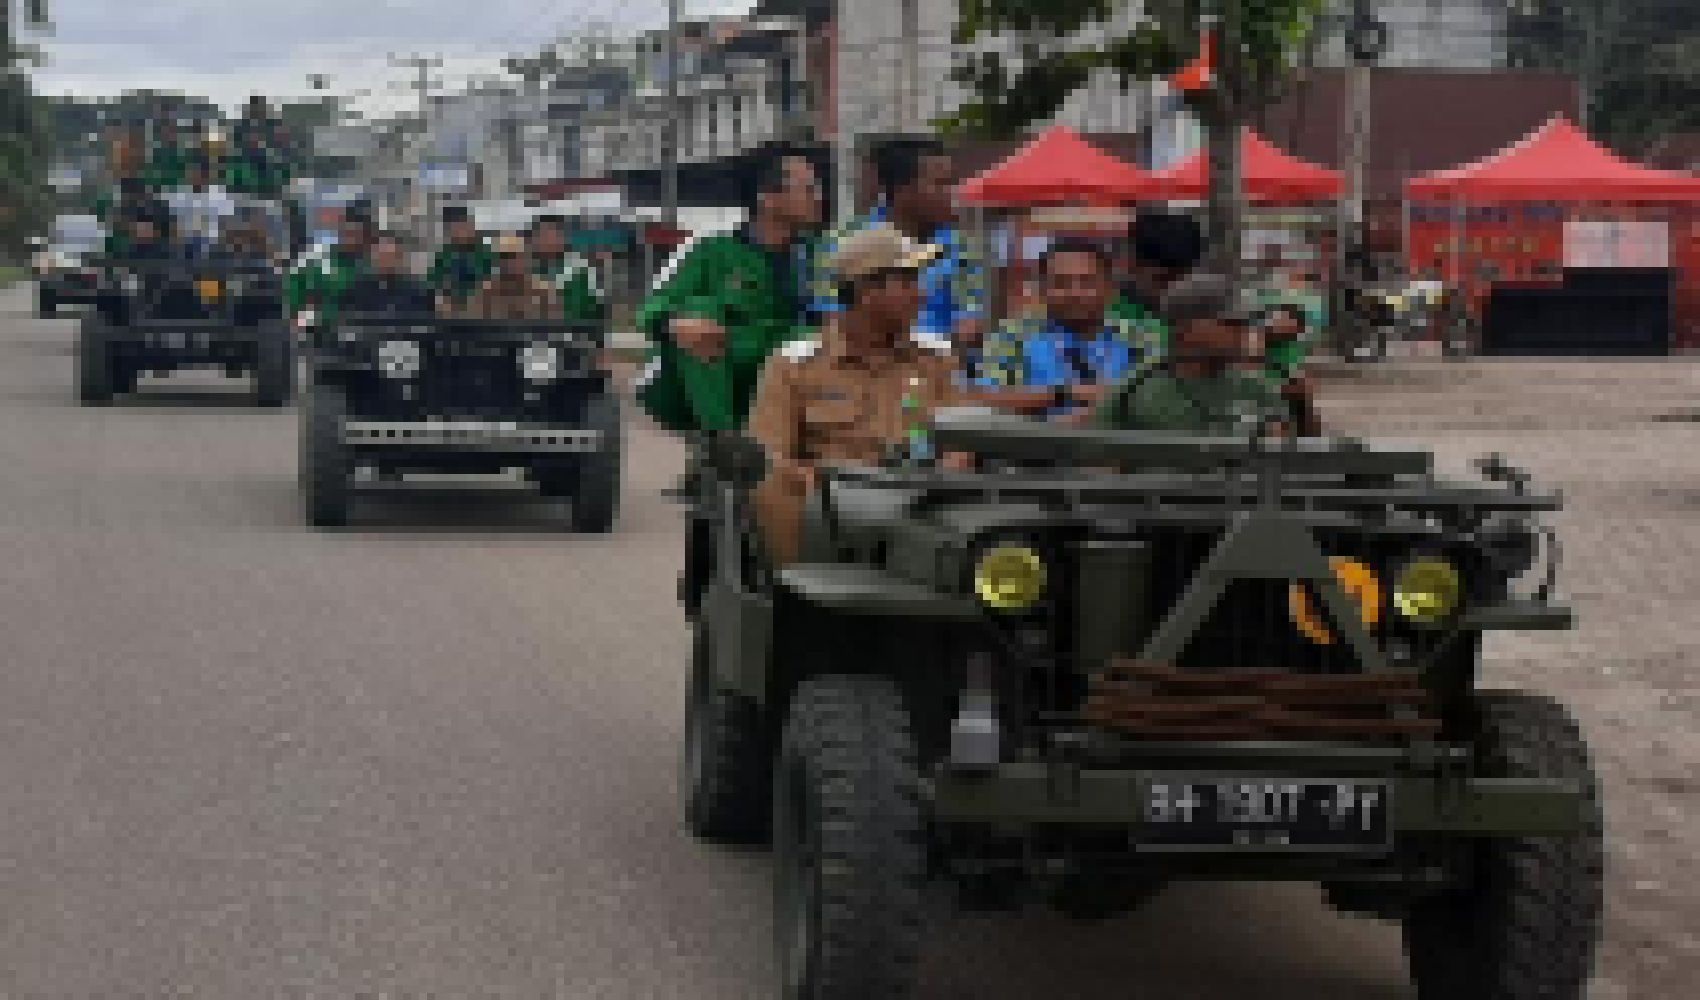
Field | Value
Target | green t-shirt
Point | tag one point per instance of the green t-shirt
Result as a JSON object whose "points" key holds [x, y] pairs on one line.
{"points": [[1281, 362], [321, 281], [1159, 400], [1151, 333], [581, 292], [459, 269]]}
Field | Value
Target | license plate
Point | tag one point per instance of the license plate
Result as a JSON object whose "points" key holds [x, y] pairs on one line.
{"points": [[1185, 811]]}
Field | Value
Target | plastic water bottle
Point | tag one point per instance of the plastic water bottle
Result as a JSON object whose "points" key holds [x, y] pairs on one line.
{"points": [[920, 445]]}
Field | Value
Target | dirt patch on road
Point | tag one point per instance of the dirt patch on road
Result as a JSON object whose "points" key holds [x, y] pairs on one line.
{"points": [[1631, 542]]}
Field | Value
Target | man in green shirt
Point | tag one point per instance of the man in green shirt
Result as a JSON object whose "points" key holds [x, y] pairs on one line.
{"points": [[726, 302], [568, 271], [1205, 386], [316, 287], [464, 261], [168, 167], [1164, 248]]}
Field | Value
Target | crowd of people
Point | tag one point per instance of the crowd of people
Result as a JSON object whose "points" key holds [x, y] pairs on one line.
{"points": [[836, 347], [533, 276]]}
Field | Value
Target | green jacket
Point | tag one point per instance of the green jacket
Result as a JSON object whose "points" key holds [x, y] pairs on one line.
{"points": [[1151, 333], [581, 292], [255, 177], [320, 281], [1156, 399], [732, 281], [457, 271], [1281, 362], [169, 168], [754, 293]]}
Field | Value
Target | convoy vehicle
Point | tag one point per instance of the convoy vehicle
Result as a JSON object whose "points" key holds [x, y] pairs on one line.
{"points": [[62, 265], [399, 394], [1105, 661], [180, 313]]}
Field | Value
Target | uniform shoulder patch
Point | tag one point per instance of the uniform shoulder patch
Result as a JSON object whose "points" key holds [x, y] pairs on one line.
{"points": [[799, 350]]}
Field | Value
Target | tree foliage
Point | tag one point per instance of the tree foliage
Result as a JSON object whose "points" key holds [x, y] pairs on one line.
{"points": [[1646, 54], [25, 146], [1051, 63]]}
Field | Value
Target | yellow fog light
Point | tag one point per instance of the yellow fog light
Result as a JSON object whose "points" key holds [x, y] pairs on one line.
{"points": [[210, 289], [1010, 578], [1361, 587], [1427, 591]]}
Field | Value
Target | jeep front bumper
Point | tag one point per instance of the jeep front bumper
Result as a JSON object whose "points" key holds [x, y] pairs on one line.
{"points": [[1430, 793], [471, 435]]}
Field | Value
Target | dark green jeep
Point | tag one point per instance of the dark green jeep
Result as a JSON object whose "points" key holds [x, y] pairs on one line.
{"points": [[1104, 661]]}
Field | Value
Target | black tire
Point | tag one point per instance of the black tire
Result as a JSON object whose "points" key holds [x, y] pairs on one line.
{"points": [[726, 763], [274, 366], [94, 363], [124, 377], [46, 304], [1526, 924], [849, 859], [325, 465], [596, 489]]}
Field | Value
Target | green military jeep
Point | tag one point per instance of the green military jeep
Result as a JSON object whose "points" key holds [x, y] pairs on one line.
{"points": [[1102, 661]]}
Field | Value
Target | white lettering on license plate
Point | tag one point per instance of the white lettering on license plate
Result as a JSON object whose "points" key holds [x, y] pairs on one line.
{"points": [[1343, 808]]}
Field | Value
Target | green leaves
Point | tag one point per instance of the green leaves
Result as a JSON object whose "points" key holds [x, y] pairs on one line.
{"points": [[1004, 103]]}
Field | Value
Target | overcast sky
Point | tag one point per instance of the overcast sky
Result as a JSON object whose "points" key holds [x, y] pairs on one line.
{"points": [[228, 49]]}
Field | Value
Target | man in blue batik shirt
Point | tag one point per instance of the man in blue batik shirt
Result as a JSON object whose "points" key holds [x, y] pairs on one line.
{"points": [[915, 181], [1059, 359]]}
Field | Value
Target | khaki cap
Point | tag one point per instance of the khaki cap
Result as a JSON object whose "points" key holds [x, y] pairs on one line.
{"points": [[508, 243], [879, 248]]}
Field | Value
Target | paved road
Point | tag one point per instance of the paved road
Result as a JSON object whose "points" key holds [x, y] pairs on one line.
{"points": [[429, 757]]}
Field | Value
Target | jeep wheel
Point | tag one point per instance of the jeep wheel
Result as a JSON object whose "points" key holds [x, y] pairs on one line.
{"points": [[325, 465], [94, 363], [46, 304], [274, 366], [725, 771], [596, 494], [1525, 925], [849, 862]]}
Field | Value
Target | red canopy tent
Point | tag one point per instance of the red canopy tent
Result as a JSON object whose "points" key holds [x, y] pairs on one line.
{"points": [[1058, 167], [1270, 176], [1557, 162], [1504, 218]]}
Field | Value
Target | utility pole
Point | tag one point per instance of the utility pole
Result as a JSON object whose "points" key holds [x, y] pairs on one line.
{"points": [[670, 196], [422, 65], [1224, 112], [1366, 38], [911, 37], [1593, 35]]}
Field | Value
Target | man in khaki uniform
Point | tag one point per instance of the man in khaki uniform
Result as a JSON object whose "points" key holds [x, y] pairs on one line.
{"points": [[862, 388], [513, 292]]}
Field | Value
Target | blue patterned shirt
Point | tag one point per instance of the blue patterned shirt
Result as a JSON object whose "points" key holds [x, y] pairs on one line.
{"points": [[953, 286], [1032, 351]]}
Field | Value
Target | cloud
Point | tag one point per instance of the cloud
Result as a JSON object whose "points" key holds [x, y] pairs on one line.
{"points": [[227, 50]]}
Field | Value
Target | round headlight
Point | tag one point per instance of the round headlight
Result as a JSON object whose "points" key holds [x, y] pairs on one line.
{"points": [[132, 283], [540, 362], [398, 358], [1427, 590], [1010, 578]]}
